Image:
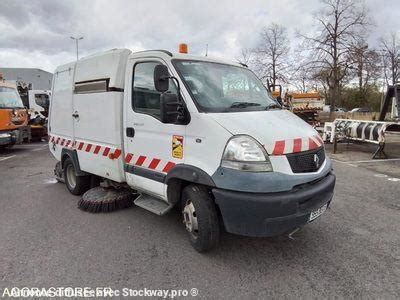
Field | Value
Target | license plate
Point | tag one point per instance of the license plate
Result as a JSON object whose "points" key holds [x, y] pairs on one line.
{"points": [[316, 213]]}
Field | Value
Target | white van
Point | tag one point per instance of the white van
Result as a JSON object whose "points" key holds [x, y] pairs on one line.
{"points": [[198, 131]]}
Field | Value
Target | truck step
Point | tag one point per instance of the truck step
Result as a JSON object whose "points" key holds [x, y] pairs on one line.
{"points": [[157, 206]]}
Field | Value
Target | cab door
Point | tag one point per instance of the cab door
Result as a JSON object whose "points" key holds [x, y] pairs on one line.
{"points": [[39, 103], [152, 148]]}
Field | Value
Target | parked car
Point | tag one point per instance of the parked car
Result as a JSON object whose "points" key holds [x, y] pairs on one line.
{"points": [[360, 109], [340, 109]]}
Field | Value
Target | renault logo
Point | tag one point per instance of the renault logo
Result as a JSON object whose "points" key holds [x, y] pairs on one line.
{"points": [[316, 160]]}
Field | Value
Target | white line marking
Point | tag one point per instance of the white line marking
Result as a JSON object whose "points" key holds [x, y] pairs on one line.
{"points": [[7, 157], [50, 181], [380, 175], [353, 165], [375, 160], [339, 161], [394, 179], [365, 161], [344, 162]]}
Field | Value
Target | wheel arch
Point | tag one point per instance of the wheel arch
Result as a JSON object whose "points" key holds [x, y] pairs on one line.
{"points": [[73, 155], [182, 175]]}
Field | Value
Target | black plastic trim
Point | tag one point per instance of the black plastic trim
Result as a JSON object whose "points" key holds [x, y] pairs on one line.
{"points": [[107, 82], [191, 174], [159, 50], [181, 171], [146, 173], [115, 89]]}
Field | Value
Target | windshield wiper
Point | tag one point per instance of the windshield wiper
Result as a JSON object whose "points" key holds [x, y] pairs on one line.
{"points": [[272, 106], [243, 104], [12, 107]]}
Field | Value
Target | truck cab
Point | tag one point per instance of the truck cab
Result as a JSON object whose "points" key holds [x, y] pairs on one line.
{"points": [[39, 105], [197, 132], [13, 115]]}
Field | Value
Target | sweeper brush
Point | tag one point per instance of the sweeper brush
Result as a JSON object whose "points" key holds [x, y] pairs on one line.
{"points": [[100, 199]]}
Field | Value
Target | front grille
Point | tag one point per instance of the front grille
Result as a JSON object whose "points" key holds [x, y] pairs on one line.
{"points": [[307, 161], [18, 122]]}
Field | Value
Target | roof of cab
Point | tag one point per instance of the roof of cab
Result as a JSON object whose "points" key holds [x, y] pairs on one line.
{"points": [[111, 64], [184, 56]]}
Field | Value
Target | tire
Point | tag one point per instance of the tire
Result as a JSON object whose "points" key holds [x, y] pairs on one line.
{"points": [[198, 209], [76, 185]]}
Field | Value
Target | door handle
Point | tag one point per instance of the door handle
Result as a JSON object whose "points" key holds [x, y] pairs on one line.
{"points": [[75, 115], [130, 132]]}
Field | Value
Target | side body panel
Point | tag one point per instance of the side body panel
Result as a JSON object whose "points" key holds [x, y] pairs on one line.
{"points": [[99, 128], [60, 116], [86, 112]]}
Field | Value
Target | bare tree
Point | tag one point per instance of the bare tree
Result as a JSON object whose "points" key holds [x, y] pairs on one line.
{"points": [[321, 79], [390, 48], [366, 67], [339, 25], [299, 74], [300, 78], [245, 56], [271, 53]]}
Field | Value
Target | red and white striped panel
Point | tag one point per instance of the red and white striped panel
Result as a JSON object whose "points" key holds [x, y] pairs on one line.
{"points": [[105, 151], [154, 164], [282, 147]]}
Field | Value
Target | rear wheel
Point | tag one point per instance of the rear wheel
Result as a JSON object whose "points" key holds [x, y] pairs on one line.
{"points": [[200, 218], [77, 185]]}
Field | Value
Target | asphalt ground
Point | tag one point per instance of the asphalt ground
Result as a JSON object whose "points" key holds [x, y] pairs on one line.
{"points": [[353, 250]]}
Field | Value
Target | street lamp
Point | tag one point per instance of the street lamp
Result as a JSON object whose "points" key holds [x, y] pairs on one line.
{"points": [[76, 39]]}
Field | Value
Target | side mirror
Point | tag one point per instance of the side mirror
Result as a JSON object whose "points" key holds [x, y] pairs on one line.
{"points": [[169, 108], [161, 78]]}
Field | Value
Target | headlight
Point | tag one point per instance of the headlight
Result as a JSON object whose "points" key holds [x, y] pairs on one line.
{"points": [[244, 153]]}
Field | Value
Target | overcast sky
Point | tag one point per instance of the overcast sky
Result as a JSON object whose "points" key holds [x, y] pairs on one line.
{"points": [[36, 33]]}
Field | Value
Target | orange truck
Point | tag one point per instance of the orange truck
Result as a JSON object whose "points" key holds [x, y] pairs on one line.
{"points": [[14, 116], [305, 105]]}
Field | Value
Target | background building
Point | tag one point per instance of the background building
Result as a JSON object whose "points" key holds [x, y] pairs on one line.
{"points": [[40, 79]]}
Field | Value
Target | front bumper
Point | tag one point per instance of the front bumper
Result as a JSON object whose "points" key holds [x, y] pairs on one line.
{"points": [[15, 136], [271, 214], [6, 138]]}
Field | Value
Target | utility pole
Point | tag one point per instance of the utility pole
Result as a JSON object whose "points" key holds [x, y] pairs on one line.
{"points": [[76, 39]]}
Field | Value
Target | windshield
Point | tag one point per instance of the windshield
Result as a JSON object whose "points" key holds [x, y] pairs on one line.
{"points": [[224, 88], [9, 98], [43, 100]]}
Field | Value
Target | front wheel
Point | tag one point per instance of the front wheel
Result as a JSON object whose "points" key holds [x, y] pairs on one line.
{"points": [[200, 218], [77, 185]]}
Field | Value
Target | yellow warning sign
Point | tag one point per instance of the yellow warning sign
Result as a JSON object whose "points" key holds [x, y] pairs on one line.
{"points": [[177, 146]]}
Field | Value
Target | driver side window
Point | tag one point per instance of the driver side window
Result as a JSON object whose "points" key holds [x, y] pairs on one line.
{"points": [[145, 98]]}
